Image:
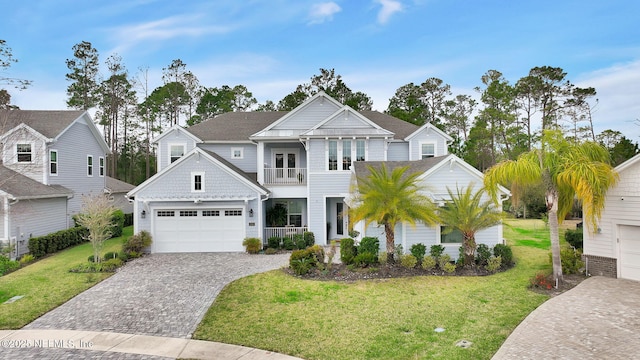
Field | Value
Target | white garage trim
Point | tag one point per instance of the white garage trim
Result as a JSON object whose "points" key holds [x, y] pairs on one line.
{"points": [[628, 240], [198, 228]]}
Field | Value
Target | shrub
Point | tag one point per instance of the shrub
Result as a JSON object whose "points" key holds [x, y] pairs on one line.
{"points": [[460, 261], [253, 245], [483, 253], [110, 255], [288, 244], [111, 265], [7, 265], [27, 258], [118, 223], [365, 259], [541, 280], [123, 256], [428, 262], [128, 220], [48, 244], [91, 259], [574, 238], [504, 251], [369, 245], [302, 261], [300, 266], [298, 239], [309, 238], [571, 260], [436, 251], [493, 264], [382, 257], [137, 243], [443, 260], [274, 242], [271, 251], [317, 252], [348, 251], [418, 250], [408, 261], [449, 268], [354, 233]]}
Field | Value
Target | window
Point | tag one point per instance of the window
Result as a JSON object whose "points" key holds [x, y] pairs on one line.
{"points": [[166, 213], [89, 165], [233, 213], [339, 219], [188, 213], [101, 166], [210, 213], [237, 153], [454, 237], [427, 151], [175, 152], [24, 152], [53, 162], [197, 182], [346, 151]]}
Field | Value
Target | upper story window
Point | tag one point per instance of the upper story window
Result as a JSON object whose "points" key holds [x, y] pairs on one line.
{"points": [[24, 152], [427, 150], [53, 162], [197, 181], [101, 166], [176, 151], [346, 151], [89, 165], [237, 153]]}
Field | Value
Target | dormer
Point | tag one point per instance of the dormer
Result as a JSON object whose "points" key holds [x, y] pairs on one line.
{"points": [[173, 144], [428, 141]]}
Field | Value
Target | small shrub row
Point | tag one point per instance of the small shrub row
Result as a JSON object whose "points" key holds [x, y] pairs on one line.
{"points": [[110, 265], [252, 244], [297, 241], [302, 261], [51, 243], [7, 265]]}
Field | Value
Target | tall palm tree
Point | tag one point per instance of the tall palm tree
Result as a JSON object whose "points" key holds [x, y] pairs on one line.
{"points": [[567, 170], [467, 213], [389, 198]]}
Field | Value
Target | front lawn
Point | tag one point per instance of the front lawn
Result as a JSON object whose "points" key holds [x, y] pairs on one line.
{"points": [[382, 319], [47, 283]]}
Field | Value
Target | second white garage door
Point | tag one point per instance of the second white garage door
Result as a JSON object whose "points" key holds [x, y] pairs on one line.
{"points": [[197, 230], [629, 252]]}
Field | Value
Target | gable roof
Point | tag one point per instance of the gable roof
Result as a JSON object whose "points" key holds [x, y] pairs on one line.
{"points": [[361, 168], [215, 158], [114, 185], [627, 163], [177, 128], [430, 127], [365, 126], [234, 126], [49, 123], [21, 187]]}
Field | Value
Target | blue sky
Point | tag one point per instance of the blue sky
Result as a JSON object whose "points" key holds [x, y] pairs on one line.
{"points": [[376, 45]]}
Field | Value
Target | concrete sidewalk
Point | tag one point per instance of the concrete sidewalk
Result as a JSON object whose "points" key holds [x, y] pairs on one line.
{"points": [[34, 344]]}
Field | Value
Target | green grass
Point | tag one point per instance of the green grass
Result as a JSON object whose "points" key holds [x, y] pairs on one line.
{"points": [[382, 319], [47, 283]]}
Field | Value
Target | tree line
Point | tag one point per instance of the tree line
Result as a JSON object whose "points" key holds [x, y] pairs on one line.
{"points": [[503, 121]]}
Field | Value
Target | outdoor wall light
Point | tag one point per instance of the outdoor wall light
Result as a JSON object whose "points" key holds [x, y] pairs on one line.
{"points": [[250, 212], [143, 214]]}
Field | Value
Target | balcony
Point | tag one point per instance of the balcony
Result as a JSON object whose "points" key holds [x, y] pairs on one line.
{"points": [[282, 176]]}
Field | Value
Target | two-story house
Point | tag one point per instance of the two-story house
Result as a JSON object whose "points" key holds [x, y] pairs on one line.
{"points": [[49, 159], [219, 181]]}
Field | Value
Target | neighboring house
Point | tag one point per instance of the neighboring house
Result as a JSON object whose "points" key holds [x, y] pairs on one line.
{"points": [[613, 250], [118, 190], [219, 180], [49, 159]]}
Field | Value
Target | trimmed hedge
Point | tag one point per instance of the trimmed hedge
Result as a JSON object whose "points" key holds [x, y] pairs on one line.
{"points": [[118, 223], [574, 238], [48, 244]]}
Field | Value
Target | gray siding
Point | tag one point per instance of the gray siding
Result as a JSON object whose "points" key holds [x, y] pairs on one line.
{"points": [[269, 148], [427, 136], [32, 218], [73, 147], [376, 150], [309, 116], [249, 161], [322, 185], [317, 155], [346, 120], [174, 138], [33, 169], [398, 151]]}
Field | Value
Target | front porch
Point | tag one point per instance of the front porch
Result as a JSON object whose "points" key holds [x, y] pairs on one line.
{"points": [[284, 231]]}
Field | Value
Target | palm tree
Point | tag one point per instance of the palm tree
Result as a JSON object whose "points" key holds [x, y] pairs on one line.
{"points": [[389, 199], [467, 213], [567, 170]]}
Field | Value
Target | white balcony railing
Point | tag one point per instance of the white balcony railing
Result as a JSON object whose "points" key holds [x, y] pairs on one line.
{"points": [[285, 231], [291, 176]]}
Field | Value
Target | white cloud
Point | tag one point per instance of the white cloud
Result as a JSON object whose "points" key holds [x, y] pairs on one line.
{"points": [[389, 7], [322, 12]]}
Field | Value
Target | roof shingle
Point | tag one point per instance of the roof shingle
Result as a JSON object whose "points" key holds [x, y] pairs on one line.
{"points": [[49, 123]]}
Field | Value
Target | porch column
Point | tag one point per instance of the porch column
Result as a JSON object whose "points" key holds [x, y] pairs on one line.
{"points": [[260, 162]]}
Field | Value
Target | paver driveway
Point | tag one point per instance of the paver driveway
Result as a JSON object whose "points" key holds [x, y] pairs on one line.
{"points": [[160, 294]]}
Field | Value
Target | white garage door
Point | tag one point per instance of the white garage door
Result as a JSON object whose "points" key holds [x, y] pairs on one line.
{"points": [[198, 230], [629, 252]]}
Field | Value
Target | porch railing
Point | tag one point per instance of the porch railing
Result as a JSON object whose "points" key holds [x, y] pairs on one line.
{"points": [[282, 232], [291, 176]]}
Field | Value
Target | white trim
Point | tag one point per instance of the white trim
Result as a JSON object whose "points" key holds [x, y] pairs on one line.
{"points": [[101, 166], [31, 151], [193, 181], [89, 167], [170, 145], [233, 153], [428, 126], [179, 129], [57, 162], [435, 148], [340, 154]]}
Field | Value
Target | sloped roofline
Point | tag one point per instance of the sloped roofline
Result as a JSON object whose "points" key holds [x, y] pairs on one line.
{"points": [[229, 168], [178, 128], [350, 110], [627, 163], [429, 126], [298, 109], [92, 127], [29, 129]]}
